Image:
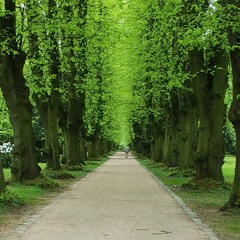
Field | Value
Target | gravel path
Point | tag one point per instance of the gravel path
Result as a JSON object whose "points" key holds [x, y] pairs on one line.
{"points": [[119, 201]]}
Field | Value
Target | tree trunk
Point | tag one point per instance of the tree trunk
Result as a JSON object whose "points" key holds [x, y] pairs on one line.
{"points": [[220, 60], [167, 140], [188, 126], [234, 113], [173, 132], [196, 62], [89, 150], [83, 149], [157, 143], [95, 145], [49, 118], [207, 77], [210, 93], [104, 147], [73, 131], [2, 180], [16, 95]]}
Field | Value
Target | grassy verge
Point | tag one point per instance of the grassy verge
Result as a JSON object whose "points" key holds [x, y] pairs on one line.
{"points": [[204, 201], [33, 194]]}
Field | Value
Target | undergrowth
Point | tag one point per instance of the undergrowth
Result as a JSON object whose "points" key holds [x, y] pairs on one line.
{"points": [[76, 167], [10, 200], [58, 174], [207, 183], [43, 182]]}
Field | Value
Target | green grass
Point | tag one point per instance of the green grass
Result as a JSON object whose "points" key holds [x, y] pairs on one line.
{"points": [[229, 168], [7, 174], [205, 202], [29, 194]]}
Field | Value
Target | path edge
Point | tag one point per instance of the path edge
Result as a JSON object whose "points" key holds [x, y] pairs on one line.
{"points": [[193, 216]]}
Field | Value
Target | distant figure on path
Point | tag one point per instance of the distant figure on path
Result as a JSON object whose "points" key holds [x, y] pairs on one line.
{"points": [[126, 150]]}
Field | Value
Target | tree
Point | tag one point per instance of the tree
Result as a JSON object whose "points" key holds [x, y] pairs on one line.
{"points": [[16, 95], [231, 10], [45, 77], [208, 63], [73, 102]]}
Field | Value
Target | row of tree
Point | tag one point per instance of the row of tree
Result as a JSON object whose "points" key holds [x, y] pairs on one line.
{"points": [[191, 57], [54, 65], [152, 72]]}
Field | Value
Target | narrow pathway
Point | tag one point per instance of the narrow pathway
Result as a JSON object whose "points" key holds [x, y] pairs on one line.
{"points": [[119, 201]]}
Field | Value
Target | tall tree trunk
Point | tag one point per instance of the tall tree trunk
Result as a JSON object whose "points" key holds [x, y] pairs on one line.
{"points": [[167, 140], [49, 118], [210, 91], [234, 113], [220, 60], [157, 143], [16, 95], [188, 126], [172, 159], [196, 62], [73, 136], [94, 147]]}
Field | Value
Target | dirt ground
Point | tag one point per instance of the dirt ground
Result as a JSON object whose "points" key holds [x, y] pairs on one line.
{"points": [[119, 201]]}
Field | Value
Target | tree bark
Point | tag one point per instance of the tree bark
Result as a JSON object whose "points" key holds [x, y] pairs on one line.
{"points": [[157, 143], [73, 137], [188, 126], [94, 145], [172, 135], [167, 140], [83, 148]]}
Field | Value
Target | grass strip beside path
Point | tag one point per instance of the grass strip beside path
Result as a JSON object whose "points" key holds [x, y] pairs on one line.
{"points": [[206, 202]]}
